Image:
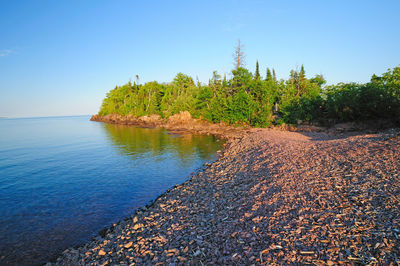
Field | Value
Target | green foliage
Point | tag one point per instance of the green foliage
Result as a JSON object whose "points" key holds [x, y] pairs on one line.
{"points": [[241, 108], [202, 105], [303, 108], [241, 77], [248, 99], [269, 75], [342, 101], [257, 74], [377, 99]]}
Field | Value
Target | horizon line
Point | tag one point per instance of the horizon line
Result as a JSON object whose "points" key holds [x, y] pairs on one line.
{"points": [[49, 116]]}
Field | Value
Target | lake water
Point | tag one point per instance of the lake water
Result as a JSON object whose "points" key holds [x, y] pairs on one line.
{"points": [[62, 179]]}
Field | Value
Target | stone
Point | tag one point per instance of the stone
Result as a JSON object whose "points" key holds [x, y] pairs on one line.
{"points": [[128, 245]]}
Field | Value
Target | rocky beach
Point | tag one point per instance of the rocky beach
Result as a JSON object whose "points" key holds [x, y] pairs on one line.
{"points": [[271, 197]]}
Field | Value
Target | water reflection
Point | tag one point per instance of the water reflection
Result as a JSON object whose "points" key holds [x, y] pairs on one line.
{"points": [[157, 143], [63, 179]]}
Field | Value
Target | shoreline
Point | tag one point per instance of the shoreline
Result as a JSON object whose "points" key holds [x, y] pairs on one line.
{"points": [[183, 122], [179, 123], [232, 210]]}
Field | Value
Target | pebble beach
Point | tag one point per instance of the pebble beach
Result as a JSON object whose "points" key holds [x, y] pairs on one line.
{"points": [[271, 197]]}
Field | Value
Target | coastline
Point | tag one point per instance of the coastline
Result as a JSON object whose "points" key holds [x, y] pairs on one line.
{"points": [[183, 122], [179, 123], [271, 197]]}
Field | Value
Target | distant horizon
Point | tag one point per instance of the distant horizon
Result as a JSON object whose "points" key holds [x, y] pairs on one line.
{"points": [[48, 116]]}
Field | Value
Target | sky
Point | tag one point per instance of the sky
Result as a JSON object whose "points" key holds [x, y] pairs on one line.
{"points": [[62, 57]]}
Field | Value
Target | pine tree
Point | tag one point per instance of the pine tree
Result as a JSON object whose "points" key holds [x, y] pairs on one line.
{"points": [[273, 75], [301, 80], [302, 74], [269, 75], [257, 74]]}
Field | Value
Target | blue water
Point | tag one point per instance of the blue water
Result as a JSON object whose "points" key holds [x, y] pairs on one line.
{"points": [[62, 179]]}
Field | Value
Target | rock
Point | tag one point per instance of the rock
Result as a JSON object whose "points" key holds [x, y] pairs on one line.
{"points": [[128, 245], [342, 127], [265, 251], [137, 226]]}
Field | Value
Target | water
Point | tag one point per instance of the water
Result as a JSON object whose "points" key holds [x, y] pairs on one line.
{"points": [[62, 179]]}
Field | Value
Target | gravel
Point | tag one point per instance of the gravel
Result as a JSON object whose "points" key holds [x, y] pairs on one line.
{"points": [[271, 197]]}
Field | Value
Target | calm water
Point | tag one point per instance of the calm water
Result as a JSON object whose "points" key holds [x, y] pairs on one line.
{"points": [[63, 179]]}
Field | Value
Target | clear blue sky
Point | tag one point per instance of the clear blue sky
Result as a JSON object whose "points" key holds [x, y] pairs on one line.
{"points": [[61, 57]]}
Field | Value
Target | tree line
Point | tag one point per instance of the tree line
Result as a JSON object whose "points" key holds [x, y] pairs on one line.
{"points": [[247, 98]]}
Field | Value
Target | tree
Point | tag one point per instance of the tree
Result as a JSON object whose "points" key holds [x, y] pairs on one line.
{"points": [[183, 81], [241, 78], [302, 74], [238, 56], [273, 75], [215, 82], [257, 74], [319, 80], [269, 75]]}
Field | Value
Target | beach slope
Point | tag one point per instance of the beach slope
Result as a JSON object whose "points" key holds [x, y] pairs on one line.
{"points": [[270, 197]]}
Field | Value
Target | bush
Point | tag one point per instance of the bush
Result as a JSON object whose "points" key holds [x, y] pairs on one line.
{"points": [[253, 101]]}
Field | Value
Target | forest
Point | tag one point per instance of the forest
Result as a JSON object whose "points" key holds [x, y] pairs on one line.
{"points": [[251, 99]]}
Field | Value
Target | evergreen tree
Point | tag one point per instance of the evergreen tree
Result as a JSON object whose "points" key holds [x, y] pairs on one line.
{"points": [[257, 74], [243, 98], [302, 74], [269, 75]]}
